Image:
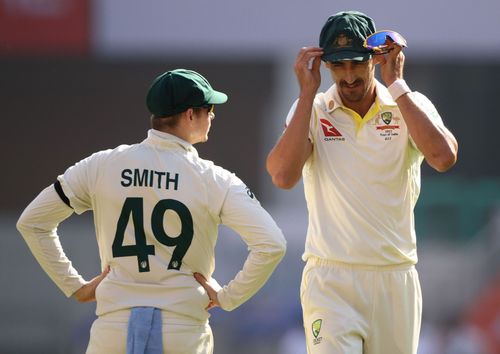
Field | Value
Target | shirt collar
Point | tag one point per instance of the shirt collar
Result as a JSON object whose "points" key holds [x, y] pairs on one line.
{"points": [[159, 138], [333, 100]]}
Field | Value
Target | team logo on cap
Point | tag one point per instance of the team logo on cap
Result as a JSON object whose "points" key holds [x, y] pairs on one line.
{"points": [[342, 41]]}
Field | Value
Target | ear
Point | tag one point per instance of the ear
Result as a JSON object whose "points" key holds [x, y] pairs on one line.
{"points": [[190, 114]]}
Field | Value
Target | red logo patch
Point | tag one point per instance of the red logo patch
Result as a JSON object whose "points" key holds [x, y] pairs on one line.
{"points": [[328, 128]]}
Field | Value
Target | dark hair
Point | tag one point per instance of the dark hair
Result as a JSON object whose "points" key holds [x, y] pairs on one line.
{"points": [[160, 123], [169, 122]]}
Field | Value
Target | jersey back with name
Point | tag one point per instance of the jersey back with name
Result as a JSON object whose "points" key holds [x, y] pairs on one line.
{"points": [[156, 211]]}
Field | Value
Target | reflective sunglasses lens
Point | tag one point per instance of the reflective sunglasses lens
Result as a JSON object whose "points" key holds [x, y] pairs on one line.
{"points": [[397, 38], [378, 40]]}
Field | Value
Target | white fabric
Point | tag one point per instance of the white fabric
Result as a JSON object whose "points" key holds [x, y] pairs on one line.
{"points": [[38, 225], [108, 335], [398, 88], [362, 181], [360, 309], [167, 169]]}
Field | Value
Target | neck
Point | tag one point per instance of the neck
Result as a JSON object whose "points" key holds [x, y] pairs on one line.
{"points": [[180, 133], [177, 128]]}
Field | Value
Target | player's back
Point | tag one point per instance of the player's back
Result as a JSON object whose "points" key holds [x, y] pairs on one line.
{"points": [[156, 207]]}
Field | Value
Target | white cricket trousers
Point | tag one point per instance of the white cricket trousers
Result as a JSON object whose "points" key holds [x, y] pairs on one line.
{"points": [[108, 335], [350, 309]]}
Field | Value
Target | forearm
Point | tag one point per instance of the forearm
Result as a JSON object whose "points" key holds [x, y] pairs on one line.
{"points": [[429, 134], [38, 226], [265, 241], [286, 160], [255, 272], [433, 139]]}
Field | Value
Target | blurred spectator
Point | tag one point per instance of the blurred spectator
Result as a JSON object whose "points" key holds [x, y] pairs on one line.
{"points": [[484, 316], [465, 339]]}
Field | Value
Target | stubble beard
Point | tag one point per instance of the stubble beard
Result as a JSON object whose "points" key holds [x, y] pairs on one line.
{"points": [[355, 94]]}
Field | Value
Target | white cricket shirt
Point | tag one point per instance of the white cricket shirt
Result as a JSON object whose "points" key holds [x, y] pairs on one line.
{"points": [[157, 206], [362, 181]]}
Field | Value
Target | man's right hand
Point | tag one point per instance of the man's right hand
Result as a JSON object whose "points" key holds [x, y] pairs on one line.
{"points": [[87, 292], [308, 74]]}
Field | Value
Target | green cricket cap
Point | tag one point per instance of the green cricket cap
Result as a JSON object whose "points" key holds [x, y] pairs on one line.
{"points": [[343, 35], [177, 90]]}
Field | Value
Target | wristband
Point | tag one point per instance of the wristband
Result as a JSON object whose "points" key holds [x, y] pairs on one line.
{"points": [[398, 88]]}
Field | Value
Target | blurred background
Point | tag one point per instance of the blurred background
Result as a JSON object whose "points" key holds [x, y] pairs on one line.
{"points": [[73, 79]]}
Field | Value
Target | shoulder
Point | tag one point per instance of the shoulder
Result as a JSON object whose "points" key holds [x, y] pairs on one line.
{"points": [[320, 101], [217, 173], [211, 173], [103, 154], [120, 152], [318, 104], [99, 158]]}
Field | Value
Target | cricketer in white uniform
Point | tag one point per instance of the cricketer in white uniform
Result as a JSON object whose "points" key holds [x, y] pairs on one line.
{"points": [[157, 207], [359, 147]]}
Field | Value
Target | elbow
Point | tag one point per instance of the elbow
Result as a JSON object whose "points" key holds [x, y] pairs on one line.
{"points": [[280, 247], [25, 227], [277, 249], [276, 254], [447, 156], [444, 162], [284, 180], [27, 224], [280, 175], [22, 225]]}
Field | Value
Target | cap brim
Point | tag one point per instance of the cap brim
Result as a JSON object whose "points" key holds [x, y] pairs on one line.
{"points": [[346, 55], [217, 98]]}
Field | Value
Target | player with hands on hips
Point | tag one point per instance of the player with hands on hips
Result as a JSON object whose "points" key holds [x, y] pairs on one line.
{"points": [[87, 292], [358, 147], [157, 207]]}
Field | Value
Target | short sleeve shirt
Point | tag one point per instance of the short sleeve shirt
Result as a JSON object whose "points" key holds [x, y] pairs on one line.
{"points": [[362, 181]]}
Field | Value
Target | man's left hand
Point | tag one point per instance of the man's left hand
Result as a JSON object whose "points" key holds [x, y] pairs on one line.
{"points": [[391, 64]]}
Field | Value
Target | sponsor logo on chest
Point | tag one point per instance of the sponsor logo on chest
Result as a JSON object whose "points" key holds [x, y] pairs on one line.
{"points": [[386, 124], [329, 131]]}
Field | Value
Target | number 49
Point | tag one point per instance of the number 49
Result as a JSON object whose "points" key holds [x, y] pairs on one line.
{"points": [[141, 250]]}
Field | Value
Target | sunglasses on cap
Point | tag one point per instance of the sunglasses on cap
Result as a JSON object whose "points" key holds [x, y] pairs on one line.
{"points": [[379, 41], [211, 108]]}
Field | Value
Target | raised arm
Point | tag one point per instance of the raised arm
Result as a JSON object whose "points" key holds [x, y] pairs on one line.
{"points": [[433, 139], [287, 158]]}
